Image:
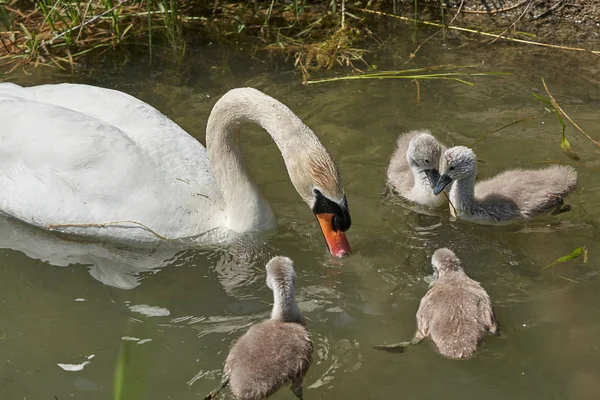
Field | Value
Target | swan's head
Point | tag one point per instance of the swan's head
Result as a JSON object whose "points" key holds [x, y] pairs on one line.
{"points": [[444, 260], [457, 163], [280, 273], [318, 182], [423, 155]]}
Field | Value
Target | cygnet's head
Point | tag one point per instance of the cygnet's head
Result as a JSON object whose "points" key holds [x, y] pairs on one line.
{"points": [[280, 273], [457, 163], [444, 260], [423, 155]]}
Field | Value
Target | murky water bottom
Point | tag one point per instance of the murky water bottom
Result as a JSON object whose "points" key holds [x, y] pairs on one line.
{"points": [[173, 313]]}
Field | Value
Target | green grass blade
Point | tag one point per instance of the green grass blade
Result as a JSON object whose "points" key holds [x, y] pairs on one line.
{"points": [[120, 370], [564, 142], [27, 33], [576, 253], [47, 15]]}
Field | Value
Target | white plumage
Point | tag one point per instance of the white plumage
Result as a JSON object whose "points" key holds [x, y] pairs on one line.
{"points": [[100, 163]]}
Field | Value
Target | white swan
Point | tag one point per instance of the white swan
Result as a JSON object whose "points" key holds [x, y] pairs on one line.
{"points": [[100, 163]]}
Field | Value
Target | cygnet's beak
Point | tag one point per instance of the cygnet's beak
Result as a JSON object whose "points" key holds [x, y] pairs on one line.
{"points": [[336, 239], [433, 175], [441, 184]]}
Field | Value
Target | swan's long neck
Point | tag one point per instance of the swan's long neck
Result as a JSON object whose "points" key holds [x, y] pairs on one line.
{"points": [[245, 208], [285, 307], [462, 194]]}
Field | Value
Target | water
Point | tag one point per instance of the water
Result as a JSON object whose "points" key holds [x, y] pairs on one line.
{"points": [[180, 309]]}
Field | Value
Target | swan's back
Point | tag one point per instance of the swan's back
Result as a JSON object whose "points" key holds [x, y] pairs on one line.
{"points": [[531, 192], [154, 133], [456, 313], [77, 154]]}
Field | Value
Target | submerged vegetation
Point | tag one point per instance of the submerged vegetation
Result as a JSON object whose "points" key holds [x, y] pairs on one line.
{"points": [[314, 34]]}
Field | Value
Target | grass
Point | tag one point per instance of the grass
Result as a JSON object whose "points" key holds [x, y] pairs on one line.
{"points": [[120, 371], [564, 142], [558, 111], [57, 32], [315, 34]]}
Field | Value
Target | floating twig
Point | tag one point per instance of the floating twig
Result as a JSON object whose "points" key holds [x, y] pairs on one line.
{"points": [[568, 279], [558, 107], [514, 24], [458, 28], [450, 76], [501, 128], [106, 225]]}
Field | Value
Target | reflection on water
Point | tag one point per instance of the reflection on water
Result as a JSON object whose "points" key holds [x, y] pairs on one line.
{"points": [[113, 266], [185, 304]]}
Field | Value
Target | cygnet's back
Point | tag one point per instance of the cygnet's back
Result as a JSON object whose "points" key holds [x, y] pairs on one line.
{"points": [[276, 351], [533, 192], [413, 168], [456, 312]]}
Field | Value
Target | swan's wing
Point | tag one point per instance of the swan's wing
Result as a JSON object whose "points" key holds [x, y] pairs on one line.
{"points": [[62, 166], [156, 135]]}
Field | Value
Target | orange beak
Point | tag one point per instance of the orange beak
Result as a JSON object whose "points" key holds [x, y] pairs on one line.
{"points": [[336, 240]]}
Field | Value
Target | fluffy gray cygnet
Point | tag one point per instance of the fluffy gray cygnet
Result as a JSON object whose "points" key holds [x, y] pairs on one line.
{"points": [[456, 313], [515, 194], [274, 352], [413, 169]]}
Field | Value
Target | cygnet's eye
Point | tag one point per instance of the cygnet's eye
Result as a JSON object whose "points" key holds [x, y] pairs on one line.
{"points": [[427, 161], [451, 169]]}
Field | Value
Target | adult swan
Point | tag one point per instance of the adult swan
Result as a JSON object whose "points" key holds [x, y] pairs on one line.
{"points": [[100, 163]]}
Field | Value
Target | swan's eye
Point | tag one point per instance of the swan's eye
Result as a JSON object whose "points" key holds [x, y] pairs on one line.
{"points": [[451, 169], [427, 161]]}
